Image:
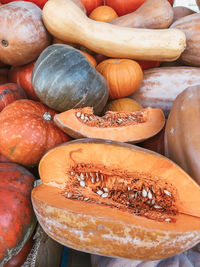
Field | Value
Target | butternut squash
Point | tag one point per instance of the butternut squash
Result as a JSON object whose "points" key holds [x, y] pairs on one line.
{"points": [[153, 14], [66, 21]]}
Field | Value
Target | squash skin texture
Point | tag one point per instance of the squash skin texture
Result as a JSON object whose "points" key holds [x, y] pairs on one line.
{"points": [[66, 21], [160, 86], [182, 132], [101, 229], [63, 78], [134, 133]]}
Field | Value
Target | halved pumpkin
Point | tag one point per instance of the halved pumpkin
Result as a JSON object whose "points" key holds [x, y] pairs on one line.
{"points": [[118, 126], [116, 199]]}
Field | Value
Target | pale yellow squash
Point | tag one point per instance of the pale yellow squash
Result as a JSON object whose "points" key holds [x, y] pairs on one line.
{"points": [[66, 21]]}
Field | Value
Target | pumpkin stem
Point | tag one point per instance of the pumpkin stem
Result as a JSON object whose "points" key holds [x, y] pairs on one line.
{"points": [[47, 116]]}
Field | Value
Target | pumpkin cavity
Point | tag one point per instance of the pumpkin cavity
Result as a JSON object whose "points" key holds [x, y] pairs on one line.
{"points": [[134, 193], [121, 126]]}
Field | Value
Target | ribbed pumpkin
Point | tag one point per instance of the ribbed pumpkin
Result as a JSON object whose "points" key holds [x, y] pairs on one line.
{"points": [[17, 219], [9, 92], [63, 79], [182, 140], [190, 258], [124, 76], [22, 76], [27, 131]]}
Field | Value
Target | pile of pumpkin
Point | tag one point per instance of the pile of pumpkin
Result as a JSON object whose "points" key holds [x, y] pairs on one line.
{"points": [[81, 81]]}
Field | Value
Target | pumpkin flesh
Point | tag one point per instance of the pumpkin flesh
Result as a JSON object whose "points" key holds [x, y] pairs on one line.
{"points": [[71, 209], [118, 126]]}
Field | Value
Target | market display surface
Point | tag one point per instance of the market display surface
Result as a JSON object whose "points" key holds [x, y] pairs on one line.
{"points": [[99, 132]]}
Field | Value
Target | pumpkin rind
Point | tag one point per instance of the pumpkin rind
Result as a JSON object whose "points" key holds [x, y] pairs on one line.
{"points": [[23, 35], [189, 258], [160, 86], [87, 223], [63, 78], [27, 131], [182, 132], [17, 217], [190, 26], [130, 127], [10, 92]]}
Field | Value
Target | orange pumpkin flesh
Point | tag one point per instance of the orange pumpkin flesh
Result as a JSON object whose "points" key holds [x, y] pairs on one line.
{"points": [[72, 211], [118, 126]]}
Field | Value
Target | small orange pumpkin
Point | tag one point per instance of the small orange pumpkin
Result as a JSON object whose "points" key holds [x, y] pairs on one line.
{"points": [[124, 76], [103, 13], [123, 104]]}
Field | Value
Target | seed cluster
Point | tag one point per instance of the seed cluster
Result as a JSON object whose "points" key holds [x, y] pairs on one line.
{"points": [[142, 196], [110, 119]]}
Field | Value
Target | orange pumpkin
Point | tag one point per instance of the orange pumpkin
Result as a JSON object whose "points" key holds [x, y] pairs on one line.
{"points": [[124, 76], [90, 58], [123, 104], [27, 131], [103, 13]]}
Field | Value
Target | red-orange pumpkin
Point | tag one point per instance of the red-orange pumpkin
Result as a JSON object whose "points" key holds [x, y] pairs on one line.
{"points": [[27, 131], [22, 76], [91, 4], [9, 92], [17, 216], [124, 76]]}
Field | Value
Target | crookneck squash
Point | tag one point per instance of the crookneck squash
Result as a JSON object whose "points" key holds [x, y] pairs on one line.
{"points": [[120, 126], [63, 78], [182, 132], [116, 199], [66, 21], [16, 212], [27, 131]]}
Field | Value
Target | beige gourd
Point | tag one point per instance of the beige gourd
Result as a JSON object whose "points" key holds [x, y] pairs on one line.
{"points": [[66, 21], [153, 14]]}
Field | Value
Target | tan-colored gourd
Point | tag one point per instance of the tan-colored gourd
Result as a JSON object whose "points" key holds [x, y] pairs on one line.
{"points": [[153, 14], [65, 20], [182, 11]]}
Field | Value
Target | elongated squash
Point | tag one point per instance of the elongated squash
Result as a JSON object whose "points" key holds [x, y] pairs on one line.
{"points": [[66, 21]]}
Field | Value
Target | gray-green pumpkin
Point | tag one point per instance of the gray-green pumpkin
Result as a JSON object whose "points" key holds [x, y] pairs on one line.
{"points": [[63, 79]]}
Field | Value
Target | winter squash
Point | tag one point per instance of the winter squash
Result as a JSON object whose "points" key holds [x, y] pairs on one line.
{"points": [[123, 104], [91, 4], [188, 258], [182, 11], [91, 59], [27, 131], [152, 14], [22, 76], [17, 216], [103, 13], [190, 25], [182, 133], [19, 259], [10, 92], [63, 78], [124, 76], [160, 86], [98, 196], [64, 20], [122, 126], [123, 7], [39, 3], [23, 35]]}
